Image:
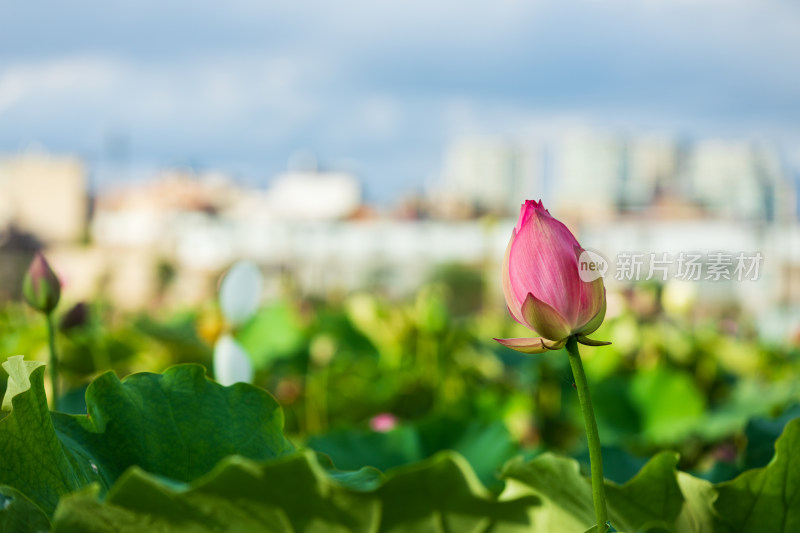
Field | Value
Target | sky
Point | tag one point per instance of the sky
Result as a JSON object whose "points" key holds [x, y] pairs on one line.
{"points": [[381, 88]]}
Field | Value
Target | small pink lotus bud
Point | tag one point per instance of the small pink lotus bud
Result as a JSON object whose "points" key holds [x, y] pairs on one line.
{"points": [[542, 285], [41, 287], [383, 422]]}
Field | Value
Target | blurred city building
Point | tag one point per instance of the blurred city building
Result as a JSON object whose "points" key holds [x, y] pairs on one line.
{"points": [[311, 195], [195, 225], [649, 172], [487, 176], [591, 177], [740, 180], [587, 176], [45, 195], [165, 241], [43, 201], [135, 231]]}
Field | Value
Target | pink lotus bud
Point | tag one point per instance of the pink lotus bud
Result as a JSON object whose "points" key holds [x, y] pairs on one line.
{"points": [[383, 422], [542, 285], [41, 287]]}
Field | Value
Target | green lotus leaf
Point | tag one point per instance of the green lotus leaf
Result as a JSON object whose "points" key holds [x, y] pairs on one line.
{"points": [[295, 493], [177, 425], [652, 499], [764, 499]]}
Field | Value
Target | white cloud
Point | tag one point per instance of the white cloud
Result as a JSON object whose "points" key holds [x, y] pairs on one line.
{"points": [[55, 80], [12, 87], [194, 96]]}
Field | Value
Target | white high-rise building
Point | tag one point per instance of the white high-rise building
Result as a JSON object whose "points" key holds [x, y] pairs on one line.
{"points": [[740, 180], [491, 175], [586, 175], [651, 167]]}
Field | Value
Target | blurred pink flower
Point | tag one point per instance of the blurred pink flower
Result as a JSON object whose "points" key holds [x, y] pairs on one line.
{"points": [[542, 286], [383, 422]]}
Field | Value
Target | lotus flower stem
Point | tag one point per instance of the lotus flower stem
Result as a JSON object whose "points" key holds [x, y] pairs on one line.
{"points": [[595, 457], [53, 360]]}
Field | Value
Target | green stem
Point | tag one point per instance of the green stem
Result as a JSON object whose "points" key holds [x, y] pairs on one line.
{"points": [[53, 361], [595, 457]]}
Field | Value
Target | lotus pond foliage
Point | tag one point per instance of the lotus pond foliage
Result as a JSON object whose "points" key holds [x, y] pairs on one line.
{"points": [[697, 417]]}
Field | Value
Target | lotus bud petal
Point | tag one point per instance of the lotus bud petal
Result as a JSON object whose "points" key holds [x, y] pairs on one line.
{"points": [[41, 287], [231, 362], [544, 319], [542, 283], [240, 292]]}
